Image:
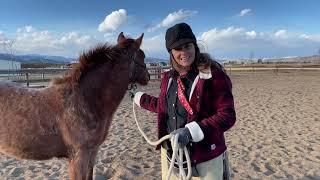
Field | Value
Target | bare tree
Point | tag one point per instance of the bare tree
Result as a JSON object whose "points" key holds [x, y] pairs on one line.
{"points": [[8, 46]]}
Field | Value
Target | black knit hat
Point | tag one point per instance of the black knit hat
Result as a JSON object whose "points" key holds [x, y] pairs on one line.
{"points": [[178, 35]]}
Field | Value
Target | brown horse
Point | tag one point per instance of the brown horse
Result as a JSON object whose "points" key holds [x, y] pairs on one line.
{"points": [[71, 117]]}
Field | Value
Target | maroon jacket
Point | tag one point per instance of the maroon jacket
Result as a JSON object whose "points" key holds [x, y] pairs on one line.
{"points": [[213, 105]]}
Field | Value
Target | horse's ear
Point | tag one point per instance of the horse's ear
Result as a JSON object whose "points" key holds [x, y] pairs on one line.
{"points": [[121, 38], [139, 40]]}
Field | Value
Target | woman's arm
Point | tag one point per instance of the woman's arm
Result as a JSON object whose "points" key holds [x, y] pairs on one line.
{"points": [[225, 115], [146, 101]]}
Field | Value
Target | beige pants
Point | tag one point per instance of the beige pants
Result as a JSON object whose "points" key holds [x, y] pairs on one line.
{"points": [[209, 170]]}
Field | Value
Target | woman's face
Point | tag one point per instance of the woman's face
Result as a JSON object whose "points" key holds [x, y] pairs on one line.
{"points": [[184, 55]]}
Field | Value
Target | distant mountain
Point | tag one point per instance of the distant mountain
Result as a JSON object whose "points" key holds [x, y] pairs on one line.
{"points": [[297, 59], [306, 59], [32, 58], [37, 58], [154, 60]]}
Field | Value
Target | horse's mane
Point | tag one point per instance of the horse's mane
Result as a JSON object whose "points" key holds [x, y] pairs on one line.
{"points": [[102, 53]]}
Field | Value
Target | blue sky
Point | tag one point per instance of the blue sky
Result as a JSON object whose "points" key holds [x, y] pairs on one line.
{"points": [[232, 29]]}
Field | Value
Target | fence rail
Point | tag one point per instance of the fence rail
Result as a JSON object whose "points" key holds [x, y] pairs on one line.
{"points": [[41, 76]]}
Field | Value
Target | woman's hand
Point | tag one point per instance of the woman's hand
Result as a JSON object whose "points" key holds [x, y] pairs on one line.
{"points": [[184, 136]]}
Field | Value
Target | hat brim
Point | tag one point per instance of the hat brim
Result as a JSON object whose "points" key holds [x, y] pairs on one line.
{"points": [[180, 43]]}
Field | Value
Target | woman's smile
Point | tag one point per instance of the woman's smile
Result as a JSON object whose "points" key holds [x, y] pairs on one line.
{"points": [[184, 55]]}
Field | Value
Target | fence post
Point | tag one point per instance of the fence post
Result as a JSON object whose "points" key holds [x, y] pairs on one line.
{"points": [[27, 79], [159, 73], [42, 74], [276, 70]]}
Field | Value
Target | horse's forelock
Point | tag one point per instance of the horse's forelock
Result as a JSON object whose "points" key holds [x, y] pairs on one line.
{"points": [[128, 44]]}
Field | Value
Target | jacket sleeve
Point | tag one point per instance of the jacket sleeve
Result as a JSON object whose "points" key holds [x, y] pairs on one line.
{"points": [[146, 101], [223, 102], [149, 102]]}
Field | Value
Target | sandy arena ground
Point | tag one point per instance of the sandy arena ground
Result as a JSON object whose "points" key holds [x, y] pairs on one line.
{"points": [[276, 136]]}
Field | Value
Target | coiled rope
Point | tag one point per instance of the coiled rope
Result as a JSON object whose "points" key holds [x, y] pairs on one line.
{"points": [[175, 148]]}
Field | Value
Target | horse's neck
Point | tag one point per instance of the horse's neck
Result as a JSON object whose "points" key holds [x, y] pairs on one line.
{"points": [[104, 88]]}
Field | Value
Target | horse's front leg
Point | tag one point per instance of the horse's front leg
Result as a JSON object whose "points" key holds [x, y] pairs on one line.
{"points": [[91, 165], [79, 164]]}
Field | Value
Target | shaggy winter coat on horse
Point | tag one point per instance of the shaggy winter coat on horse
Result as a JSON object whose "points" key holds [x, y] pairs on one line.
{"points": [[71, 117]]}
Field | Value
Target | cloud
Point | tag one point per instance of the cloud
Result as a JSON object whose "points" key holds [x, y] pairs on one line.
{"points": [[224, 34], [109, 35], [219, 42], [74, 38], [113, 21], [154, 46], [244, 12], [251, 34], [281, 33], [29, 40], [173, 18], [2, 37], [239, 42], [4, 41], [27, 29], [305, 36]]}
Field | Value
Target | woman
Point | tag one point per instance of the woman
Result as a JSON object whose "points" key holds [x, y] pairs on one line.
{"points": [[195, 102]]}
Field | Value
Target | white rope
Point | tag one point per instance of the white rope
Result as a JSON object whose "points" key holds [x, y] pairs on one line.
{"points": [[175, 148]]}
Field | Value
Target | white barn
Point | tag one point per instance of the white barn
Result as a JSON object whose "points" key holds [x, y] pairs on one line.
{"points": [[8, 64]]}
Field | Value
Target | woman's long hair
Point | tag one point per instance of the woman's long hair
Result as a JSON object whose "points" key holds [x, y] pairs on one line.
{"points": [[202, 61]]}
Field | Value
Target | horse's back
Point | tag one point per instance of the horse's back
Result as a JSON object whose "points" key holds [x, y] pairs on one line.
{"points": [[28, 123], [9, 90], [13, 96]]}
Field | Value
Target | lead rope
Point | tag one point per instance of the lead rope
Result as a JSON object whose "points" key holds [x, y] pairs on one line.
{"points": [[175, 148]]}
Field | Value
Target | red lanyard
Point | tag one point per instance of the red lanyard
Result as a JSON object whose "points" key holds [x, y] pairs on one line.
{"points": [[182, 98]]}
